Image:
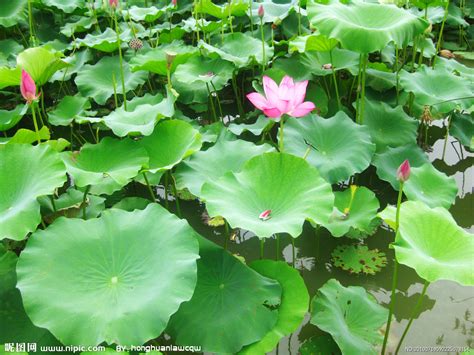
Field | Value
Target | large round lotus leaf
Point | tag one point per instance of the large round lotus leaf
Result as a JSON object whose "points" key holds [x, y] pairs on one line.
{"points": [[76, 61], [226, 155], [312, 42], [117, 278], [66, 6], [155, 59], [230, 48], [431, 186], [365, 27], [438, 87], [96, 81], [233, 7], [273, 10], [26, 172], [283, 183], [105, 41], [141, 115], [433, 244], [40, 63], [213, 318], [356, 208], [11, 11], [68, 109], [340, 148], [351, 315], [9, 119], [107, 166], [170, 142], [147, 14], [389, 160], [389, 126], [293, 307], [190, 79], [461, 128]]}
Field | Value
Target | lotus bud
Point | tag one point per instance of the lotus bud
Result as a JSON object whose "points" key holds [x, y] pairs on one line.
{"points": [[113, 3], [261, 11], [174, 3], [445, 53], [327, 66], [265, 215], [28, 87], [170, 57], [136, 44], [403, 171], [426, 116]]}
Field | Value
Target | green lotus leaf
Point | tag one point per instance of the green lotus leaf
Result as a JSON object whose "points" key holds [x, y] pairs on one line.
{"points": [[388, 161], [105, 41], [40, 63], [20, 187], [226, 155], [140, 118], [319, 345], [283, 183], [9, 49], [423, 4], [230, 48], [273, 10], [66, 6], [76, 62], [170, 142], [365, 27], [132, 203], [147, 14], [155, 59], [293, 307], [107, 166], [389, 126], [191, 25], [81, 25], [312, 42], [233, 7], [351, 315], [355, 208], [27, 136], [255, 128], [358, 259], [380, 77], [58, 145], [433, 244], [96, 81], [123, 275], [223, 279], [9, 119], [461, 128], [190, 79], [11, 12], [9, 77], [431, 186], [332, 143], [68, 109], [437, 87]]}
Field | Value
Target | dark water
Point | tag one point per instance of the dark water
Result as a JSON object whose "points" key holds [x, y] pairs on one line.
{"points": [[445, 318]]}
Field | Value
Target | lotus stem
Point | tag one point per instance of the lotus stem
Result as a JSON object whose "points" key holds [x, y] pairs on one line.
{"points": [[440, 35], [412, 316], [218, 102], [124, 93], [84, 200], [166, 191], [395, 272], [262, 244], [227, 234], [359, 74], [211, 102], [264, 59], [413, 59], [250, 16], [35, 122], [397, 73], [237, 95], [446, 136], [114, 84], [30, 23], [175, 193], [293, 252], [280, 142], [362, 95], [306, 153], [53, 203], [277, 256], [152, 194], [336, 88]]}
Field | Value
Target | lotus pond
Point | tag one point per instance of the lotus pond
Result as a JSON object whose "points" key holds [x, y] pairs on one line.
{"points": [[236, 177]]}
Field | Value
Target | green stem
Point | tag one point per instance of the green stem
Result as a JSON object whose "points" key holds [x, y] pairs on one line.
{"points": [[237, 95], [262, 243], [53, 203], [35, 122], [211, 102], [335, 81], [277, 257], [166, 191], [395, 272], [264, 59], [175, 193], [30, 22], [250, 16], [218, 101], [306, 153], [440, 36], [413, 59], [293, 251], [362, 95], [168, 76], [397, 76], [299, 18], [121, 62], [446, 136], [84, 199], [152, 194], [230, 17], [412, 316], [227, 235], [280, 141], [359, 74], [114, 84]]}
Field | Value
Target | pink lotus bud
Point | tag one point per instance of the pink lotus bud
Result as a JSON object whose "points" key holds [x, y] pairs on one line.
{"points": [[174, 3], [261, 11], [113, 3], [403, 171], [265, 215], [28, 87]]}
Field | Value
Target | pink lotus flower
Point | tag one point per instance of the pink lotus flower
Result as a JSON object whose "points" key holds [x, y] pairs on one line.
{"points": [[403, 171], [113, 3], [287, 98], [28, 87]]}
